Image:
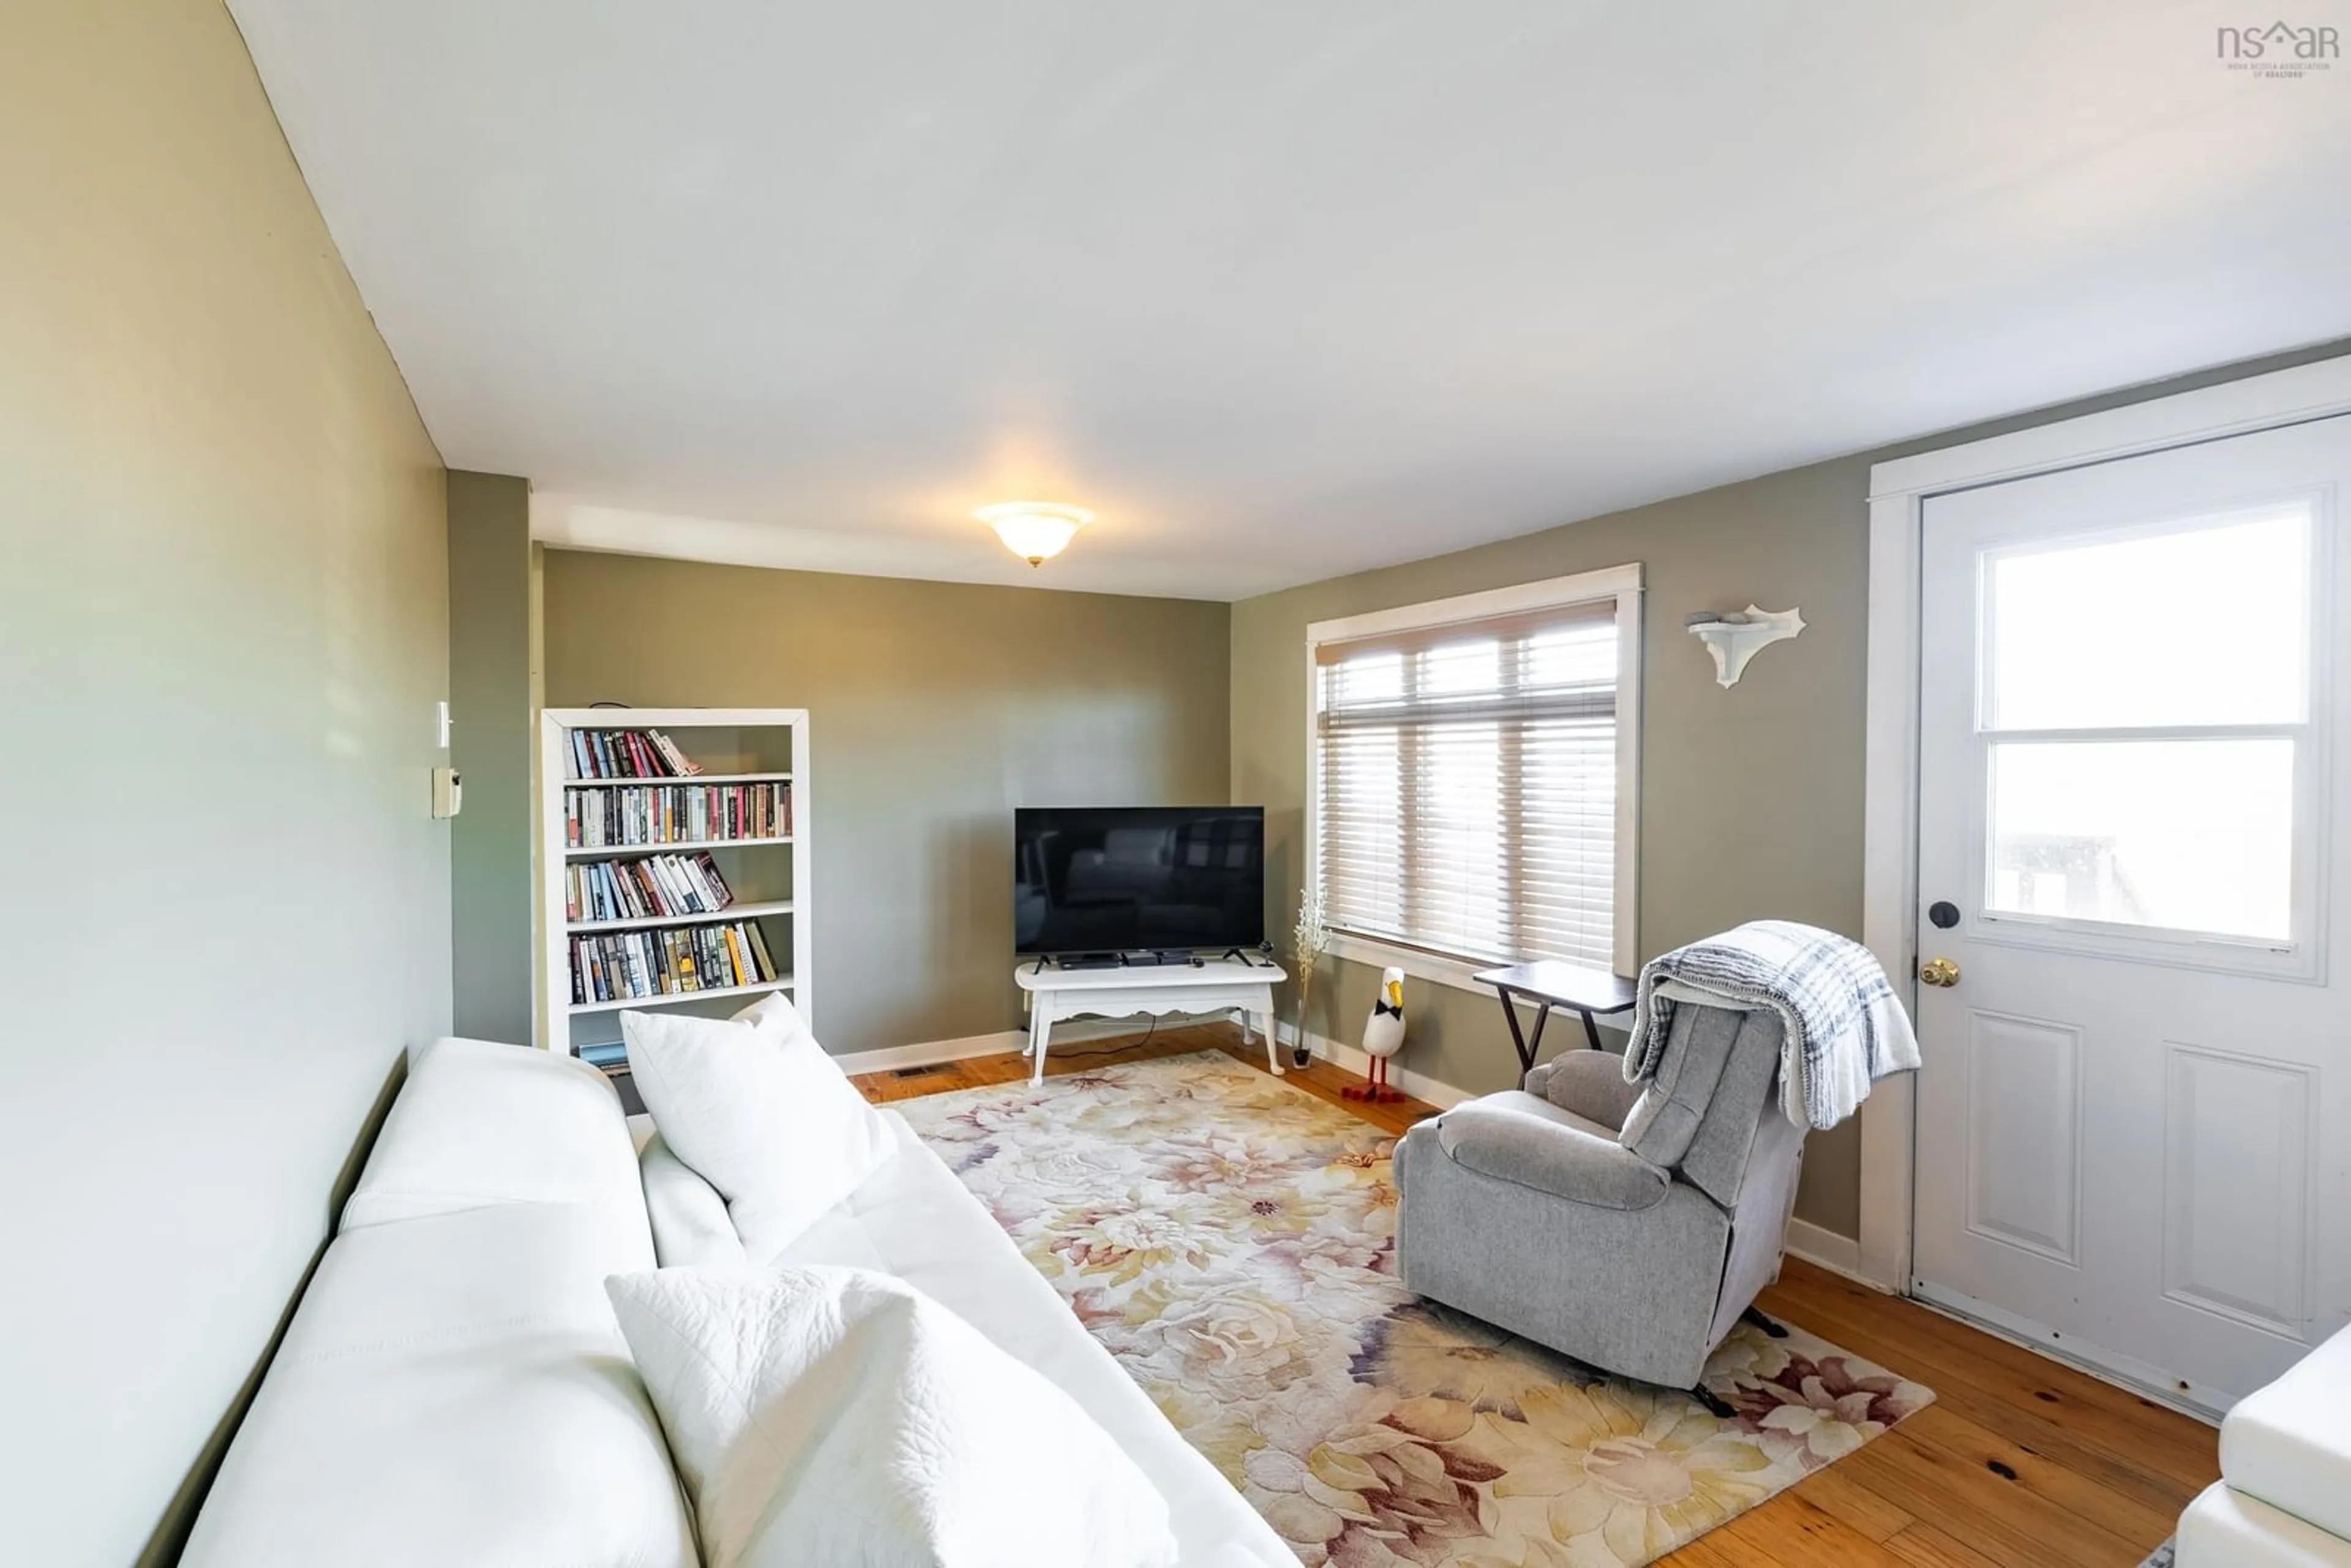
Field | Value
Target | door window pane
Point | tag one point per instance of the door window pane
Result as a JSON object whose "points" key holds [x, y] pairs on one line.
{"points": [[2207, 625], [2188, 835]]}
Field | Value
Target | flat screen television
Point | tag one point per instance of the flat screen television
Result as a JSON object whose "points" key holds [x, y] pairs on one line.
{"points": [[1096, 879]]}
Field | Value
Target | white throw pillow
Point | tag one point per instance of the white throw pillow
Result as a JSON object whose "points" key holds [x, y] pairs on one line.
{"points": [[755, 1106], [827, 1415], [775, 1013]]}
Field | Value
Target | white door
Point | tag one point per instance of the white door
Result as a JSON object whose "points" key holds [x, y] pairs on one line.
{"points": [[2134, 1137]]}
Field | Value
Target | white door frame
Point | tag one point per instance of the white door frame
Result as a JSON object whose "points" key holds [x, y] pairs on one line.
{"points": [[1898, 491]]}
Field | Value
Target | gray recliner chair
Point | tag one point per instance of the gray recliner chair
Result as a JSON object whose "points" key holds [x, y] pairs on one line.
{"points": [[1628, 1227]]}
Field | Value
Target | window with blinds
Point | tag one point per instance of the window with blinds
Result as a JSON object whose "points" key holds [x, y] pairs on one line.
{"points": [[1467, 785]]}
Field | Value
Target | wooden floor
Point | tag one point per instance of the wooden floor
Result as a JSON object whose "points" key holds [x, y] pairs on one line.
{"points": [[2019, 1463]]}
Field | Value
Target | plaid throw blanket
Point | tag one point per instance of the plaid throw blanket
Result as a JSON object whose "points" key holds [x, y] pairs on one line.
{"points": [[1844, 1029]]}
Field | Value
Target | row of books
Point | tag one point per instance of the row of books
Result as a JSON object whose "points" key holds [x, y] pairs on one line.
{"points": [[627, 754], [643, 889], [675, 814], [675, 961]]}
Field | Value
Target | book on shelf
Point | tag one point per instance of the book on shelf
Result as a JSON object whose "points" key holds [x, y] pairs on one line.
{"points": [[679, 960], [627, 754], [653, 887], [655, 814], [610, 1055]]}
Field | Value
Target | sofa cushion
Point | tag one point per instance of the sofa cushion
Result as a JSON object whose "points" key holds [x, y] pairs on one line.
{"points": [[1516, 1136], [2289, 1444], [481, 1123], [453, 1390], [2225, 1529], [913, 1219]]}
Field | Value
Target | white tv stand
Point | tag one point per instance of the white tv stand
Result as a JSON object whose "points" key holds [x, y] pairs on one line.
{"points": [[1157, 989]]}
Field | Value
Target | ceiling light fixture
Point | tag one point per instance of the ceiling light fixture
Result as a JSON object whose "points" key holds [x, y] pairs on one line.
{"points": [[1036, 531]]}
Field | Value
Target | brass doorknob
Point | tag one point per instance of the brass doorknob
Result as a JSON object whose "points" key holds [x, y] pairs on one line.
{"points": [[1940, 972]]}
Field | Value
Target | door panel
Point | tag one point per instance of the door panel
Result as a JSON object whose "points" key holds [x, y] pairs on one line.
{"points": [[2235, 1184], [2024, 1133], [2134, 1111]]}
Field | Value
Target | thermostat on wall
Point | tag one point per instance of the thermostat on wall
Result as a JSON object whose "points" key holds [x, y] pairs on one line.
{"points": [[448, 793]]}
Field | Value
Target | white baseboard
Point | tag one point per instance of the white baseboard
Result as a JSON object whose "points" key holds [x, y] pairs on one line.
{"points": [[1081, 1031], [931, 1052], [1827, 1249], [1010, 1041], [1420, 1085]]}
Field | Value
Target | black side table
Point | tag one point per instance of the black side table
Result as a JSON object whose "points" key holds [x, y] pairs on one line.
{"points": [[1549, 983]]}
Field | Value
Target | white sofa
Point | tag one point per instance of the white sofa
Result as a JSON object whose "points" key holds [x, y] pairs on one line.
{"points": [[453, 1388], [2283, 1498]]}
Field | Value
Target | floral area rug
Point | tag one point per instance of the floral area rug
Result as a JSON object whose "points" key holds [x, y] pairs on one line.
{"points": [[1231, 1239]]}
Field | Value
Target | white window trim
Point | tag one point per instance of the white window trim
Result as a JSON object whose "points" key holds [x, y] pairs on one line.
{"points": [[1623, 584]]}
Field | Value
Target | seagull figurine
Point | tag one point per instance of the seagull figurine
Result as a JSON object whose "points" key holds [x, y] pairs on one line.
{"points": [[1382, 1038]]}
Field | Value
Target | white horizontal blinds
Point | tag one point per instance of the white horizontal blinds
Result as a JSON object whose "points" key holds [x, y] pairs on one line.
{"points": [[1466, 779]]}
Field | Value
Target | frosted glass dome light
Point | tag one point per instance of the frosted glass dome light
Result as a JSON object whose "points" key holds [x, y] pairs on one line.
{"points": [[1036, 531]]}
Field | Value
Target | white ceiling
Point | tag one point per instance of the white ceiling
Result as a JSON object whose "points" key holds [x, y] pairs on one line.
{"points": [[1282, 289]]}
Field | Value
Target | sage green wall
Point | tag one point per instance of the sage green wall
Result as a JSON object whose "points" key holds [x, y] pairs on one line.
{"points": [[492, 652], [1750, 799], [226, 628], [935, 708]]}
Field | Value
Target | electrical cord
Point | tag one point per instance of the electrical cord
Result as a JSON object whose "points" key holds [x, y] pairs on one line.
{"points": [[1112, 1049]]}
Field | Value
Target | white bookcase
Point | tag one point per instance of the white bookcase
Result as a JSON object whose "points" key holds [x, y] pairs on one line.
{"points": [[767, 875]]}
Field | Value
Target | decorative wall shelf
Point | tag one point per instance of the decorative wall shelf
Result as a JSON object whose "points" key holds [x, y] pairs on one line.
{"points": [[1733, 639]]}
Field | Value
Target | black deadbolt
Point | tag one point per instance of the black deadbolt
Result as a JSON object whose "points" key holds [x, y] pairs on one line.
{"points": [[1944, 914]]}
